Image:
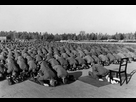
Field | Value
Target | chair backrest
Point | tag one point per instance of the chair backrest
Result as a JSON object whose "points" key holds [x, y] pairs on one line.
{"points": [[123, 64]]}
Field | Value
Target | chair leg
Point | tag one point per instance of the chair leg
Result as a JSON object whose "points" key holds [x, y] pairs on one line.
{"points": [[120, 79], [126, 78], [110, 76], [117, 75]]}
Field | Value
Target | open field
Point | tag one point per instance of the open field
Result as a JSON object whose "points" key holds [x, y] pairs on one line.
{"points": [[77, 89]]}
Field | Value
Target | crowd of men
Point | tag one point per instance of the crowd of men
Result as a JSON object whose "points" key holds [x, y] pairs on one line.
{"points": [[49, 62]]}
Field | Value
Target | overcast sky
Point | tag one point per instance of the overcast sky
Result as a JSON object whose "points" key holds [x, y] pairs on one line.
{"points": [[68, 18]]}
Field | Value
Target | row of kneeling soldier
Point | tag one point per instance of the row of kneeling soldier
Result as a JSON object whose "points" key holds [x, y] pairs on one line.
{"points": [[41, 72], [50, 62], [18, 68]]}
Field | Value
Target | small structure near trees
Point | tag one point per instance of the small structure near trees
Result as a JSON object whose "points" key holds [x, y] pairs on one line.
{"points": [[3, 38]]}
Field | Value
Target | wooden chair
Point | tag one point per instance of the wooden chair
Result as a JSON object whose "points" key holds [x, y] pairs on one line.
{"points": [[118, 71]]}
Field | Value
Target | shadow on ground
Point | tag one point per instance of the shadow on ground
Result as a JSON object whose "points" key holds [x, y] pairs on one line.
{"points": [[76, 75], [129, 76], [95, 82], [2, 79]]}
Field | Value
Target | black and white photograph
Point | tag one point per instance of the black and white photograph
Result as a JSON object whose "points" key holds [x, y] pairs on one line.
{"points": [[67, 51]]}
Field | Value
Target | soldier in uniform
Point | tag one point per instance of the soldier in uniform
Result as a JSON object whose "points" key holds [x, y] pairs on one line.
{"points": [[61, 73], [24, 67], [2, 70], [32, 68], [98, 71], [46, 74], [63, 62], [72, 63], [12, 70], [81, 63]]}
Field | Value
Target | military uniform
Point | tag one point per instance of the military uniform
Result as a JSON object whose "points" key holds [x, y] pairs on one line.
{"points": [[22, 64], [81, 62], [88, 59], [98, 71], [63, 62], [61, 72], [72, 63], [45, 73], [53, 62]]}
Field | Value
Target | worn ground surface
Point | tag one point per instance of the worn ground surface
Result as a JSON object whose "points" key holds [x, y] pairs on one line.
{"points": [[77, 89]]}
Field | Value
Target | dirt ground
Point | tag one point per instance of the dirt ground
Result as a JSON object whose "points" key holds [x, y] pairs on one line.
{"points": [[77, 89]]}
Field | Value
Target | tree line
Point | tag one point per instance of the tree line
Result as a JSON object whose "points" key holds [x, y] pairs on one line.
{"points": [[12, 35]]}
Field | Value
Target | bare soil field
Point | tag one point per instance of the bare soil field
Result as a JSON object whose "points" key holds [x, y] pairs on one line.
{"points": [[77, 89]]}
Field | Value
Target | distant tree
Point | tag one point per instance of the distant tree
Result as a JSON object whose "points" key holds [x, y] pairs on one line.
{"points": [[135, 35], [82, 32], [99, 36]]}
